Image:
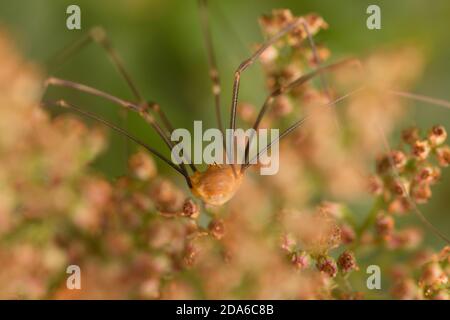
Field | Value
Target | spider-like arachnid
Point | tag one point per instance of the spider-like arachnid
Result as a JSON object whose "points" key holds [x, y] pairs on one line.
{"points": [[218, 183]]}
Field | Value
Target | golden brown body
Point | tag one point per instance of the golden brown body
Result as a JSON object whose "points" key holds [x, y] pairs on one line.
{"points": [[216, 185]]}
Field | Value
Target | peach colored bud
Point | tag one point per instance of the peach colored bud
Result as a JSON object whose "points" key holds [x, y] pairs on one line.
{"points": [[421, 149], [384, 225], [327, 265], [332, 209], [410, 135], [246, 111], [347, 262], [437, 135], [398, 159], [421, 193], [269, 55], [428, 174], [399, 205], [348, 234], [300, 259], [433, 275], [282, 106], [421, 257], [375, 185], [443, 155], [288, 242], [142, 165], [408, 238], [400, 187], [217, 228], [405, 289], [190, 209], [150, 289]]}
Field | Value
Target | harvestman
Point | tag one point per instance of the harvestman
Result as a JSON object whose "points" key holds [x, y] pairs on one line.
{"points": [[218, 183]]}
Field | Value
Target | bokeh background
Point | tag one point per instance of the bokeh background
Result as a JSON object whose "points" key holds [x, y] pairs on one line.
{"points": [[161, 44]]}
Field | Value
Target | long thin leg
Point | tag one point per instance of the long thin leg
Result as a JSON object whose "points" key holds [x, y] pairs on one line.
{"points": [[295, 126], [98, 36], [213, 70], [128, 105], [65, 104], [248, 62], [284, 89], [318, 61]]}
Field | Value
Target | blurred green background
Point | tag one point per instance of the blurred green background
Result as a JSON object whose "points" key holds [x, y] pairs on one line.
{"points": [[162, 46]]}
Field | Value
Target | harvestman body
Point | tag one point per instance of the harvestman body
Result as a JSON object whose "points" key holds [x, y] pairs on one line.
{"points": [[218, 183]]}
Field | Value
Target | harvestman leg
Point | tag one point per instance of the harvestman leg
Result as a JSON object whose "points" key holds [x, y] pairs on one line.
{"points": [[127, 105], [65, 104], [248, 62], [294, 126], [98, 36], [284, 89], [213, 70]]}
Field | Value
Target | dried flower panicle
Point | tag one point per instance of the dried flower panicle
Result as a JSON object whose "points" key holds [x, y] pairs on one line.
{"points": [[155, 237]]}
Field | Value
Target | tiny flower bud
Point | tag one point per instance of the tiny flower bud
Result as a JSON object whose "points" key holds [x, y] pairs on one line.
{"points": [[282, 106], [410, 135], [443, 155], [405, 289], [408, 238], [288, 242], [399, 205], [347, 262], [433, 275], [384, 225], [190, 209], [400, 187], [246, 111], [375, 185], [269, 55], [428, 174], [421, 193], [217, 229], [398, 159], [333, 209], [421, 149], [348, 235], [327, 265], [300, 259], [437, 135], [142, 165]]}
